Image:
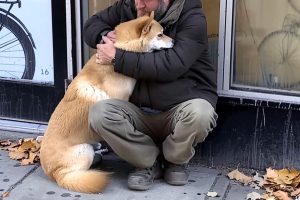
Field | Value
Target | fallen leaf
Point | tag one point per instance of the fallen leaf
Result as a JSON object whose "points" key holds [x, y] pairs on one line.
{"points": [[18, 155], [281, 195], [5, 194], [26, 150], [287, 176], [27, 145], [30, 160], [5, 142], [267, 197], [271, 173], [212, 194], [39, 139], [237, 175], [295, 193], [253, 196]]}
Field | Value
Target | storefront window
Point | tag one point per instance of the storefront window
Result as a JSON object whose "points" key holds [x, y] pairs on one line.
{"points": [[266, 48], [210, 7], [93, 6]]}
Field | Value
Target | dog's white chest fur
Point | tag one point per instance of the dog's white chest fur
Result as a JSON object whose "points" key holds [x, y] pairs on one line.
{"points": [[121, 88]]}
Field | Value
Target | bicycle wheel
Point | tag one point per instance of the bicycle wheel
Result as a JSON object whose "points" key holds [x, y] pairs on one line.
{"points": [[295, 5], [280, 57], [16, 51]]}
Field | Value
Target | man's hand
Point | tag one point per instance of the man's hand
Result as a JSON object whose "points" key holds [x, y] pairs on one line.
{"points": [[106, 51], [112, 36]]}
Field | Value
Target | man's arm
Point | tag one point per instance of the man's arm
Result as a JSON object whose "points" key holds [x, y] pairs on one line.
{"points": [[101, 23], [168, 65]]}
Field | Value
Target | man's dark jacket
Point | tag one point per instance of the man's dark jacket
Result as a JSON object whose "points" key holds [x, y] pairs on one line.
{"points": [[166, 77]]}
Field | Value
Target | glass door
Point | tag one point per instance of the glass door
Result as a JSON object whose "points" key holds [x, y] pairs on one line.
{"points": [[211, 9], [89, 8]]}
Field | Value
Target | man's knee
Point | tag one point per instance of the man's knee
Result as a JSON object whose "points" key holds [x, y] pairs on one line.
{"points": [[99, 113], [198, 110], [198, 114], [96, 115]]}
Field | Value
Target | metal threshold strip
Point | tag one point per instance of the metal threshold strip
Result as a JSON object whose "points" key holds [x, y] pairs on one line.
{"points": [[22, 127]]}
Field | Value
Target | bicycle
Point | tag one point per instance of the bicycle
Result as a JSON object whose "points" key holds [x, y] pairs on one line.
{"points": [[17, 56], [280, 53]]}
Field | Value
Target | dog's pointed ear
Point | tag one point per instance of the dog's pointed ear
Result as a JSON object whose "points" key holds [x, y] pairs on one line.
{"points": [[147, 25], [151, 15]]}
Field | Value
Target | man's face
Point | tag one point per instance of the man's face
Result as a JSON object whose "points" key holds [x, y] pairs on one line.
{"points": [[144, 7]]}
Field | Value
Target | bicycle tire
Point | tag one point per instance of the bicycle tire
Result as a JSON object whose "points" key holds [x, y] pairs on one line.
{"points": [[279, 56], [295, 4], [21, 35]]}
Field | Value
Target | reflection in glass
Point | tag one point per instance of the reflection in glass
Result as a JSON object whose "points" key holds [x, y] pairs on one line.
{"points": [[267, 44]]}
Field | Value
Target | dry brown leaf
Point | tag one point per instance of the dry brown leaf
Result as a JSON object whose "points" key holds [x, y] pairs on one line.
{"points": [[30, 160], [27, 145], [267, 196], [28, 139], [271, 173], [295, 193], [39, 139], [237, 175], [36, 147], [5, 142], [287, 176], [18, 155], [5, 194], [296, 181], [26, 150], [281, 195], [278, 184]]}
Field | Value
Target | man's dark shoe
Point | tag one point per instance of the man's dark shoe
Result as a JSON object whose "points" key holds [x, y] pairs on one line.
{"points": [[142, 179], [176, 174]]}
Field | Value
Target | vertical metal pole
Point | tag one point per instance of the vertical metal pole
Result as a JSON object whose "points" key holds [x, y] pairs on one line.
{"points": [[69, 40], [78, 35]]}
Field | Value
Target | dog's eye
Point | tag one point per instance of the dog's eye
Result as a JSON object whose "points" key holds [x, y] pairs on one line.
{"points": [[160, 35]]}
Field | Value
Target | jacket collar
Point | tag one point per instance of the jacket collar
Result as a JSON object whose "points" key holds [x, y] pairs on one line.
{"points": [[172, 13]]}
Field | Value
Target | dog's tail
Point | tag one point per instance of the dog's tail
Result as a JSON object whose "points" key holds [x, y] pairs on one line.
{"points": [[86, 181]]}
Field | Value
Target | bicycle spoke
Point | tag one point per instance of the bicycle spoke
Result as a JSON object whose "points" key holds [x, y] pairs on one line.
{"points": [[9, 43]]}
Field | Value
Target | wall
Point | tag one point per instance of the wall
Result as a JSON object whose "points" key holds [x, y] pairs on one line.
{"points": [[253, 136]]}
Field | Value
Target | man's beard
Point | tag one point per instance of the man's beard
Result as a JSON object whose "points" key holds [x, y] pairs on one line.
{"points": [[158, 13]]}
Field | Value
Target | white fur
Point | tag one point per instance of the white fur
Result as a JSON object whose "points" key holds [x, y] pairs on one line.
{"points": [[157, 44]]}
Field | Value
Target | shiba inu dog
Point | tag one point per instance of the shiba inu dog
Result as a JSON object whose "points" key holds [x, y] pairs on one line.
{"points": [[66, 153]]}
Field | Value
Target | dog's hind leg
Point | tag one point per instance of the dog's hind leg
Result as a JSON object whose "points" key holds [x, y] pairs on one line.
{"points": [[81, 156], [76, 174]]}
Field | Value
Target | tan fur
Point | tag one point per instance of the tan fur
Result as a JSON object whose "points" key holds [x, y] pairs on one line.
{"points": [[66, 153]]}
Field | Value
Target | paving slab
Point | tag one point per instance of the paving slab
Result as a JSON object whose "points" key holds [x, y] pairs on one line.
{"points": [[239, 192], [11, 173], [30, 183], [36, 186]]}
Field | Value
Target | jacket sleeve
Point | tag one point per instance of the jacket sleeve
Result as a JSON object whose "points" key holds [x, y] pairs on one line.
{"points": [[101, 23], [169, 64]]}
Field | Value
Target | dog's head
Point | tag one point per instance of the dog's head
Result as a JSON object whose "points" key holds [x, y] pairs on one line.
{"points": [[143, 34]]}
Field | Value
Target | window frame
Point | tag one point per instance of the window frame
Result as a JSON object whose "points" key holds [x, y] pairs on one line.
{"points": [[225, 67]]}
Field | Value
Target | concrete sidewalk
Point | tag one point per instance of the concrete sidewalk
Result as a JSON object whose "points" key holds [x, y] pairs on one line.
{"points": [[30, 183]]}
